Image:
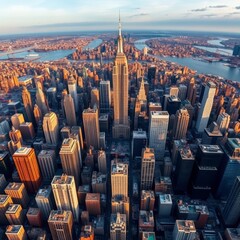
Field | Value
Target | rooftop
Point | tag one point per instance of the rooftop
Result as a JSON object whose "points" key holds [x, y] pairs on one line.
{"points": [[44, 192], [210, 148], [14, 186], [161, 114], [165, 198], [13, 228], [22, 151], [186, 226], [64, 179], [13, 208], [146, 218], [4, 198], [92, 196], [119, 168], [147, 194], [33, 211], [59, 216], [186, 153]]}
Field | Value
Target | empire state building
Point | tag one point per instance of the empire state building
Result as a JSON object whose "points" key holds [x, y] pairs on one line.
{"points": [[121, 126]]}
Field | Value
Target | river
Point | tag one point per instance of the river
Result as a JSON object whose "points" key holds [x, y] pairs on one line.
{"points": [[214, 68], [52, 55]]}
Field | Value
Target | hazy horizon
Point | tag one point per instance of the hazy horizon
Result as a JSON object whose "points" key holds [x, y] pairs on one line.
{"points": [[57, 16]]}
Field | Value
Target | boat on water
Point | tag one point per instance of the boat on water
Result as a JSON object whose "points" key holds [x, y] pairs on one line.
{"points": [[32, 57]]}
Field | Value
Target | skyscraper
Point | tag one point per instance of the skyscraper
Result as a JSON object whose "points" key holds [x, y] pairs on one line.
{"points": [[181, 124], [119, 178], [18, 193], [60, 224], [44, 200], [223, 121], [37, 114], [69, 110], [5, 165], [51, 128], [102, 161], [17, 119], [16, 232], [184, 229], [47, 164], [158, 127], [65, 194], [231, 212], [206, 106], [27, 103], [91, 127], [121, 128], [105, 96], [71, 162], [5, 201], [118, 227], [147, 168], [72, 89], [139, 141], [27, 167], [41, 101], [95, 98]]}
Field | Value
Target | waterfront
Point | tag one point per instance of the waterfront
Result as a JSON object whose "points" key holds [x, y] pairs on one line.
{"points": [[214, 68], [50, 55]]}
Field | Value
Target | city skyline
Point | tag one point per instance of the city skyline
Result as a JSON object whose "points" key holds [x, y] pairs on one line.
{"points": [[57, 16]]}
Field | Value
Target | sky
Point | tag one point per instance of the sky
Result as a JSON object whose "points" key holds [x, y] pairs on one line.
{"points": [[29, 16]]}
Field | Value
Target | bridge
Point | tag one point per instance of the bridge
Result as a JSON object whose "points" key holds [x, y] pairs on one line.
{"points": [[10, 51]]}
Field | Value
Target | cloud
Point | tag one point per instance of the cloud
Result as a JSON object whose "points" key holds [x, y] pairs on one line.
{"points": [[199, 10], [237, 7], [139, 15], [218, 6], [209, 15]]}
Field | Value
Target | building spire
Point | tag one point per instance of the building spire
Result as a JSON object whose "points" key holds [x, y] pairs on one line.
{"points": [[120, 42], [119, 25]]}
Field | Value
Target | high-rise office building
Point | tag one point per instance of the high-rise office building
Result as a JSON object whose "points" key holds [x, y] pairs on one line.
{"points": [[27, 103], [5, 201], [147, 168], [3, 183], [87, 233], [231, 212], [212, 135], [27, 167], [181, 124], [93, 203], [51, 128], [119, 178], [145, 222], [72, 89], [229, 168], [165, 205], [223, 121], [41, 101], [185, 161], [206, 106], [34, 217], [95, 98], [99, 182], [52, 98], [16, 232], [27, 131], [60, 224], [17, 119], [38, 115], [121, 204], [91, 127], [184, 229], [206, 170], [173, 104], [105, 96], [71, 162], [182, 92], [147, 200], [158, 127], [44, 200], [47, 164], [18, 193], [139, 141], [118, 227], [65, 194], [102, 161], [69, 110], [121, 128], [15, 135], [173, 91], [14, 214]]}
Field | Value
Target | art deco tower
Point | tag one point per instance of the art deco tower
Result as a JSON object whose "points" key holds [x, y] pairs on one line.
{"points": [[27, 102], [121, 128], [69, 109]]}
